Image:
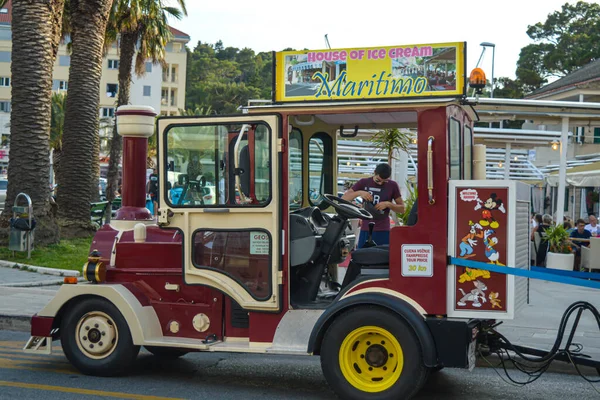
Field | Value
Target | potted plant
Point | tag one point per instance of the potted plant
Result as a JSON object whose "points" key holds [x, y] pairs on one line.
{"points": [[560, 250]]}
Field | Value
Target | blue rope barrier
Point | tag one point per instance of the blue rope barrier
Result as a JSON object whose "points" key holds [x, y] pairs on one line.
{"points": [[574, 274], [545, 276]]}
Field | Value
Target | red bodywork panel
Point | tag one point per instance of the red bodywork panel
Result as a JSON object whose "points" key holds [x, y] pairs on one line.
{"points": [[145, 269], [41, 326], [432, 225]]}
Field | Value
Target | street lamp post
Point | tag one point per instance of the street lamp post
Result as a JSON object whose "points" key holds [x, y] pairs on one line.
{"points": [[493, 46]]}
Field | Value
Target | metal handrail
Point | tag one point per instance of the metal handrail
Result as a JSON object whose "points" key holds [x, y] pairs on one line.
{"points": [[430, 140]]}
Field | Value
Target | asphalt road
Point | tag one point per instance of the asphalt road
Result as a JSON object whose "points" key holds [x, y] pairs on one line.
{"points": [[240, 376]]}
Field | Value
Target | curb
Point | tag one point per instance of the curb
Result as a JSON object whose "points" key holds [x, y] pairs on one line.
{"points": [[39, 284], [39, 270], [19, 323]]}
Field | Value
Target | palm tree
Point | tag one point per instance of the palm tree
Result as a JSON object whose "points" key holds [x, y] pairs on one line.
{"points": [[36, 27], [142, 22], [57, 126], [79, 165]]}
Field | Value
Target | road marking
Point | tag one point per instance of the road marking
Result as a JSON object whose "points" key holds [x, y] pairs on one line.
{"points": [[27, 357], [55, 353], [12, 344], [82, 391], [60, 371]]}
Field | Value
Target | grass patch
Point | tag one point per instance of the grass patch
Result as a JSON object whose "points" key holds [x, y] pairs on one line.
{"points": [[68, 254]]}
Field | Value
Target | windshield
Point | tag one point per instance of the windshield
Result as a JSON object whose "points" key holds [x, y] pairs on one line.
{"points": [[3, 184]]}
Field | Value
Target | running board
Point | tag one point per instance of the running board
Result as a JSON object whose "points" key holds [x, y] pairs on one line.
{"points": [[39, 345], [180, 343]]}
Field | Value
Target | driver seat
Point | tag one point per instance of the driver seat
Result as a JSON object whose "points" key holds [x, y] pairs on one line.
{"points": [[368, 261]]}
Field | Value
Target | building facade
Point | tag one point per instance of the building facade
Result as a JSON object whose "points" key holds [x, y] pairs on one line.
{"points": [[162, 89]]}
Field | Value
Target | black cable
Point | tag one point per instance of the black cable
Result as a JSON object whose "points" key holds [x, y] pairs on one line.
{"points": [[541, 364]]}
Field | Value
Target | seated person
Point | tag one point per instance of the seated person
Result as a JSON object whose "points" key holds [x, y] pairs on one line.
{"points": [[579, 233]]}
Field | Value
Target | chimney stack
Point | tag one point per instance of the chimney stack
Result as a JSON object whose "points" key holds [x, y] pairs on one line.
{"points": [[135, 124]]}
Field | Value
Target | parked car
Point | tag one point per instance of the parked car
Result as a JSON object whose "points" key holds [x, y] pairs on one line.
{"points": [[102, 183]]}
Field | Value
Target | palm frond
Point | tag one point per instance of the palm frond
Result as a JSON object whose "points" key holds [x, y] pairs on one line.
{"points": [[388, 140]]}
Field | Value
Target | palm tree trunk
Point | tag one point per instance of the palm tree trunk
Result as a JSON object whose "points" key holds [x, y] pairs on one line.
{"points": [[36, 26], [127, 50], [79, 163]]}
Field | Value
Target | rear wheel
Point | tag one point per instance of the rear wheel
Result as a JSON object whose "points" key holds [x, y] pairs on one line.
{"points": [[370, 353], [96, 339], [166, 353]]}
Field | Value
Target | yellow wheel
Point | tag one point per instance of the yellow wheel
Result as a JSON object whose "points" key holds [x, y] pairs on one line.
{"points": [[370, 353], [371, 359]]}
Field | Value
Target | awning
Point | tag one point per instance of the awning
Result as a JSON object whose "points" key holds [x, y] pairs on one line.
{"points": [[307, 65], [577, 179], [580, 176]]}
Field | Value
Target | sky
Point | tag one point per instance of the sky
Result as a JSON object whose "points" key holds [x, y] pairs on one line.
{"points": [[265, 25]]}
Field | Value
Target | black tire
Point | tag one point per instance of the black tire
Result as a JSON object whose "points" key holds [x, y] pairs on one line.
{"points": [[166, 353], [122, 354], [412, 375]]}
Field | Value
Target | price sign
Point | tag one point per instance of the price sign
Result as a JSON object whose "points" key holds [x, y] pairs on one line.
{"points": [[417, 260]]}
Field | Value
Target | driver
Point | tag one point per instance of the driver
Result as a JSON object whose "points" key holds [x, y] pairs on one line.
{"points": [[382, 195]]}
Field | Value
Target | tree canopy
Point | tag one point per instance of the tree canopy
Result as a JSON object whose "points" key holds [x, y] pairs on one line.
{"points": [[566, 41], [223, 78]]}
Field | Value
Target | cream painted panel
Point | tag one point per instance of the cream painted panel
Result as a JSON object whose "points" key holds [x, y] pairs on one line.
{"points": [[142, 321], [192, 219]]}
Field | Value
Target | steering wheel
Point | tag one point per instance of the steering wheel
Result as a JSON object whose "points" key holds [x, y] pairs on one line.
{"points": [[346, 208]]}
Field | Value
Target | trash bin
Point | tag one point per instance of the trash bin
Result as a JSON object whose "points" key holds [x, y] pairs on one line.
{"points": [[22, 225]]}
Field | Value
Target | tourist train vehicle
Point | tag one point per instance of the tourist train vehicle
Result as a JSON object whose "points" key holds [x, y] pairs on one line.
{"points": [[256, 269]]}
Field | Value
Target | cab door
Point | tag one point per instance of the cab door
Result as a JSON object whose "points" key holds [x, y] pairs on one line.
{"points": [[220, 187]]}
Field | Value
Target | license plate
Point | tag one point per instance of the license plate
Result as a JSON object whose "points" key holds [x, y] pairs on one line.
{"points": [[471, 355]]}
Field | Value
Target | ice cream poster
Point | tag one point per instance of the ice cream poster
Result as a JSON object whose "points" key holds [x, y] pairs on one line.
{"points": [[481, 234]]}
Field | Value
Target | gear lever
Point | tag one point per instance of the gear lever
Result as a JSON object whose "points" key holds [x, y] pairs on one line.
{"points": [[370, 242]]}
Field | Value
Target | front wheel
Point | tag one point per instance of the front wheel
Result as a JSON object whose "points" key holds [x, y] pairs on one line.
{"points": [[96, 339], [369, 353]]}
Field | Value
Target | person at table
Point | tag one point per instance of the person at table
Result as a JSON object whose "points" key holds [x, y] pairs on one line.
{"points": [[593, 226], [543, 247], [579, 233], [537, 222]]}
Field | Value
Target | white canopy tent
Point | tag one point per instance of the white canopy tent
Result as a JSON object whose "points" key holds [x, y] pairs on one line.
{"points": [[577, 178]]}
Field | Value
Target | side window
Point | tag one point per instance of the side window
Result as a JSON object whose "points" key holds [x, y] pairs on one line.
{"points": [[242, 255], [295, 169], [201, 171], [468, 152], [262, 165], [320, 179], [454, 148]]}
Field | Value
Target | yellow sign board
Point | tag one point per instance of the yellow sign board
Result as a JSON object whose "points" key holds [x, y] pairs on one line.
{"points": [[393, 72]]}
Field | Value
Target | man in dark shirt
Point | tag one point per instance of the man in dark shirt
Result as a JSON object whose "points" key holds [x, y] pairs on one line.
{"points": [[580, 233], [381, 195]]}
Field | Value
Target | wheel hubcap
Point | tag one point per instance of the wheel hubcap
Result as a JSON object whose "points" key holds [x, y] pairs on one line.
{"points": [[96, 335], [371, 359]]}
